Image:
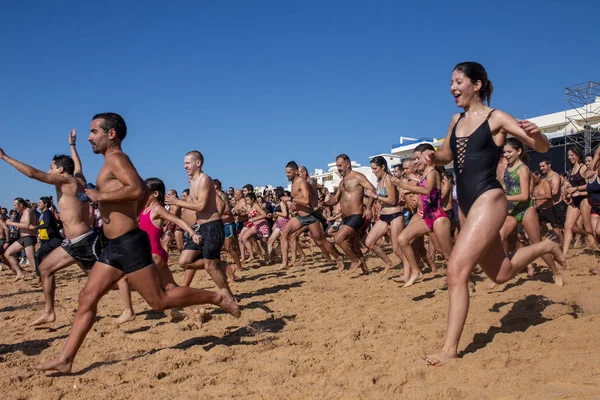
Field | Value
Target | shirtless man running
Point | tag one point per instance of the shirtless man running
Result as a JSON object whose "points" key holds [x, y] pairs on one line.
{"points": [[82, 243], [121, 194], [202, 199], [306, 216], [350, 196]]}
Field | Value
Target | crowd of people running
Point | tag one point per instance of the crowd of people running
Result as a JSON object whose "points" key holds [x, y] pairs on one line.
{"points": [[490, 210]]}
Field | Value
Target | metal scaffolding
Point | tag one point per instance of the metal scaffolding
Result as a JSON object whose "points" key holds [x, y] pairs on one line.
{"points": [[582, 111]]}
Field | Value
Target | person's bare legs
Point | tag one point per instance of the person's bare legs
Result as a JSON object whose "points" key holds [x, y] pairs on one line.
{"points": [[271, 242], [147, 282], [12, 250], [294, 248], [480, 242], [128, 314], [343, 239], [57, 260], [377, 232], [510, 225], [286, 234], [179, 235], [189, 262], [217, 271], [230, 249], [572, 215], [531, 225], [318, 236], [416, 228], [101, 279], [396, 227]]}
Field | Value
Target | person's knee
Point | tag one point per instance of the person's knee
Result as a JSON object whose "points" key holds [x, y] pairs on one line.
{"points": [[182, 263], [456, 275], [339, 240], [403, 239], [87, 299], [157, 303]]}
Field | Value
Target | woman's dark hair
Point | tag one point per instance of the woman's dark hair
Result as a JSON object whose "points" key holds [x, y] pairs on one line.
{"points": [[287, 193], [251, 196], [157, 185], [475, 72], [422, 147], [515, 144], [589, 155], [577, 151], [47, 201], [279, 193], [380, 162]]}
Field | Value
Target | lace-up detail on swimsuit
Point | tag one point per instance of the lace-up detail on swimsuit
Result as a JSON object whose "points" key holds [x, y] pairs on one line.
{"points": [[461, 152]]}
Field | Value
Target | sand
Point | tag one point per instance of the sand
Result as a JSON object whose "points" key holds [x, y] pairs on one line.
{"points": [[314, 333]]}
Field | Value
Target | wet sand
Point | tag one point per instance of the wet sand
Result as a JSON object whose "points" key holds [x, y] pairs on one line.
{"points": [[312, 332]]}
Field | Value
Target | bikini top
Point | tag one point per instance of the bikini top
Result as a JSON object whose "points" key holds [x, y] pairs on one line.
{"points": [[381, 190]]}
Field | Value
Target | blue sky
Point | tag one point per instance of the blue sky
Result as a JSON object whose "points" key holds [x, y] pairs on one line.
{"points": [[255, 84]]}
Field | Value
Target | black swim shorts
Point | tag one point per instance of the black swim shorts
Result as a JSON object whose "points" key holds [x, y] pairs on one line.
{"points": [[129, 252], [306, 220], [27, 241], [355, 221], [213, 237], [84, 249]]}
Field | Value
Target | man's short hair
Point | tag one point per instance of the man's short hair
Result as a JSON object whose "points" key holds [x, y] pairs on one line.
{"points": [[64, 161], [343, 157], [546, 160], [249, 188], [292, 165], [196, 155], [112, 121]]}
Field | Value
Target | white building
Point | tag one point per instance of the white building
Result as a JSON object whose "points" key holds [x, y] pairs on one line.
{"points": [[553, 125], [570, 121]]}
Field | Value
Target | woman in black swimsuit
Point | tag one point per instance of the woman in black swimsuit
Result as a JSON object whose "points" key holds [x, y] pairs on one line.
{"points": [[576, 194], [474, 142]]}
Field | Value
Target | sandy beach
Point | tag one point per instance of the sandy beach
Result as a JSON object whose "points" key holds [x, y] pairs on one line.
{"points": [[312, 332]]}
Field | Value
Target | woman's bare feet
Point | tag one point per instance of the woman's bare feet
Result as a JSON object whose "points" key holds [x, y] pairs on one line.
{"points": [[126, 316], [54, 365], [439, 359], [45, 318], [413, 279]]}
